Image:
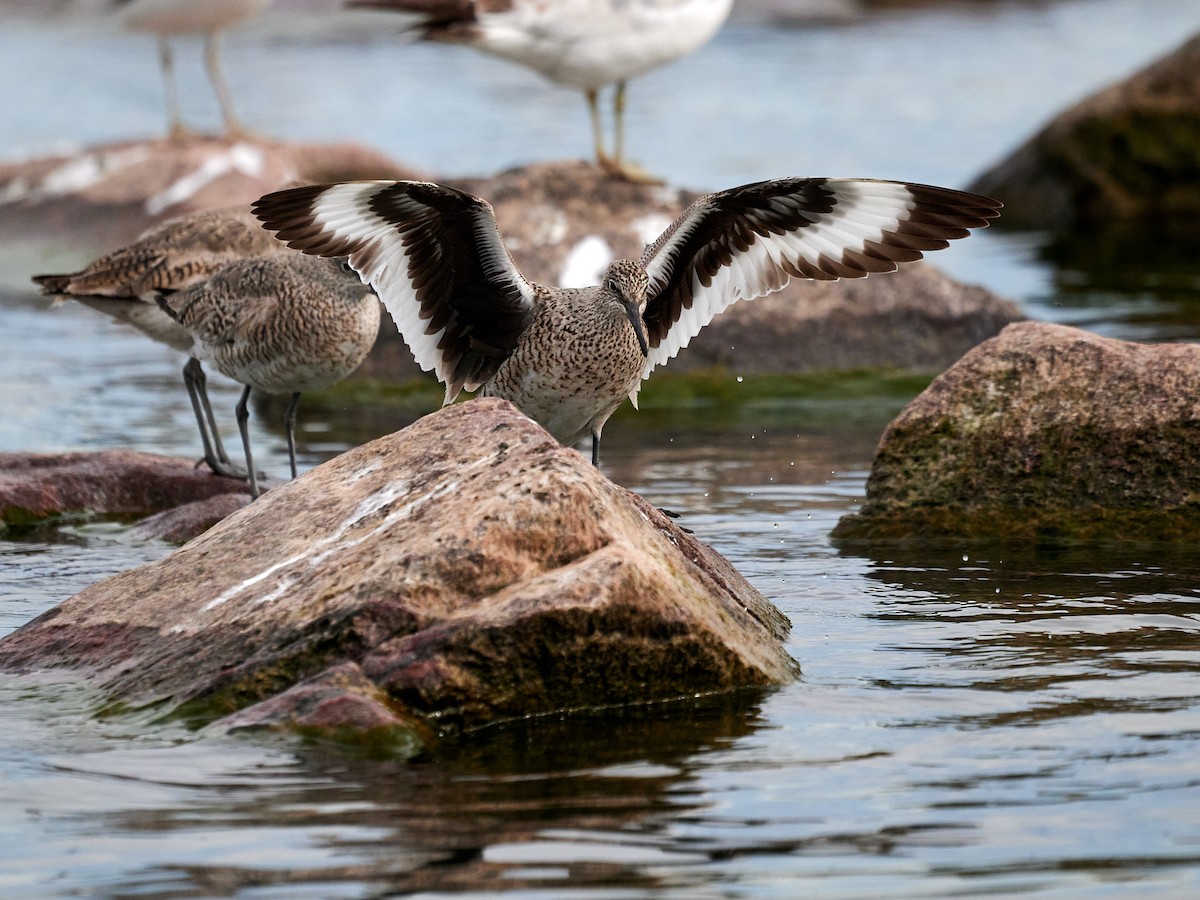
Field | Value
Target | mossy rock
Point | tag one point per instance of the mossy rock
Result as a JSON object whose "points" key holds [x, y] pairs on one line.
{"points": [[1130, 152], [1045, 433]]}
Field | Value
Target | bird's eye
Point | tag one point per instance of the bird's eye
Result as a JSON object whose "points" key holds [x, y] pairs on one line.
{"points": [[346, 267]]}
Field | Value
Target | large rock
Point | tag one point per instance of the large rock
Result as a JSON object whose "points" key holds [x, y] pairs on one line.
{"points": [[1045, 432], [563, 223], [107, 195], [464, 570], [1131, 151], [181, 497]]}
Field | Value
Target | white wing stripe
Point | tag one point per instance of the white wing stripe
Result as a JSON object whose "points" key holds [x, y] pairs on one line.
{"points": [[865, 211]]}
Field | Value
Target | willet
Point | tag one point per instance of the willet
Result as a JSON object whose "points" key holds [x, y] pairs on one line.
{"points": [[586, 44], [166, 19], [280, 325], [173, 255], [568, 357]]}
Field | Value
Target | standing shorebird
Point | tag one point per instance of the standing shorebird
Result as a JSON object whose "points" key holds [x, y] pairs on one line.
{"points": [[166, 19], [568, 357], [171, 256], [280, 325], [586, 44]]}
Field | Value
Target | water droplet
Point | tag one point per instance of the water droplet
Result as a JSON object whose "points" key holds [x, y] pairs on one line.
{"points": [[964, 557], [739, 379]]}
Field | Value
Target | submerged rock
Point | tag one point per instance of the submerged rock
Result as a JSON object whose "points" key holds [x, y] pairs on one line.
{"points": [[123, 484], [1129, 152], [1045, 432], [110, 194], [462, 571], [564, 222]]}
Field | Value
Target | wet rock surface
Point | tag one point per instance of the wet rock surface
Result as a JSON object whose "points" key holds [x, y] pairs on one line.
{"points": [[1045, 432], [109, 194], [120, 484], [1129, 152], [462, 571]]}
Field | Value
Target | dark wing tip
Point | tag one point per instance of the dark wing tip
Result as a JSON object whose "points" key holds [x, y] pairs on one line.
{"points": [[950, 202], [288, 214], [279, 209]]}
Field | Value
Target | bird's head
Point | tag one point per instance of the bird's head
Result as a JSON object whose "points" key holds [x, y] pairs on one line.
{"points": [[626, 284]]}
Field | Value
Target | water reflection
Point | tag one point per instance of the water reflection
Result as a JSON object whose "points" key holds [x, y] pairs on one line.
{"points": [[539, 804], [1134, 281]]}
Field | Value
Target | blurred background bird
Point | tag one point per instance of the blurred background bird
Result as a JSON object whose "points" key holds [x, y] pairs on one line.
{"points": [[586, 44], [167, 19]]}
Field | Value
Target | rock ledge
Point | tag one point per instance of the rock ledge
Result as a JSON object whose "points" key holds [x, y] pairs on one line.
{"points": [[462, 571]]}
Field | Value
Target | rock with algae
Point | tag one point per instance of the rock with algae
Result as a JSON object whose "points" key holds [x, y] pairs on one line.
{"points": [[1047, 433], [1128, 152], [462, 571]]}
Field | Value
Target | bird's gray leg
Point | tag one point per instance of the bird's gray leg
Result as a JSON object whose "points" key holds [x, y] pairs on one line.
{"points": [[595, 449], [289, 423], [214, 451], [619, 126], [166, 60], [597, 135], [212, 59], [243, 417], [616, 163]]}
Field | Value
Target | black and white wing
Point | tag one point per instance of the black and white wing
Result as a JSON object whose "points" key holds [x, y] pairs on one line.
{"points": [[751, 240], [434, 256]]}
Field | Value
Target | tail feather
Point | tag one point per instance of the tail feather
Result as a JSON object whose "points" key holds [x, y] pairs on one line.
{"points": [[53, 284]]}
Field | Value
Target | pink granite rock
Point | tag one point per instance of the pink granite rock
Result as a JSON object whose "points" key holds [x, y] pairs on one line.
{"points": [[468, 567], [1045, 432]]}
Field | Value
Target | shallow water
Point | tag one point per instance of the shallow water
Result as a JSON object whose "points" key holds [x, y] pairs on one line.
{"points": [[972, 719]]}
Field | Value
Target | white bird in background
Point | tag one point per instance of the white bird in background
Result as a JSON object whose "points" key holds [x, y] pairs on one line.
{"points": [[587, 44], [167, 19], [568, 357]]}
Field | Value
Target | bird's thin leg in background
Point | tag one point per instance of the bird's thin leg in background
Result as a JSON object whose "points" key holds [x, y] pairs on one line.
{"points": [[171, 90], [243, 417], [214, 451], [618, 156], [289, 423], [224, 97], [597, 136], [595, 450]]}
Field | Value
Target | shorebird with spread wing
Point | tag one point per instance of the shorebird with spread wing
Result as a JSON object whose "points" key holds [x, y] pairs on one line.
{"points": [[568, 357], [585, 44]]}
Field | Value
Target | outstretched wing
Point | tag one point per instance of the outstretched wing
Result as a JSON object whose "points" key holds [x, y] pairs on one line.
{"points": [[751, 240], [434, 256]]}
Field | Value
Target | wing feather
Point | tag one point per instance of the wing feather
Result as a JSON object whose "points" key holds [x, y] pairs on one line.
{"points": [[435, 257], [752, 240]]}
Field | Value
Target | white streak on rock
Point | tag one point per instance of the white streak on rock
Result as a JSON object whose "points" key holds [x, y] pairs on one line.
{"points": [[243, 158], [650, 226], [585, 262]]}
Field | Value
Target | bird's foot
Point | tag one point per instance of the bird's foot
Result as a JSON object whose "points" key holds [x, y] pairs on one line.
{"points": [[671, 514], [628, 171], [226, 469], [181, 134], [236, 131]]}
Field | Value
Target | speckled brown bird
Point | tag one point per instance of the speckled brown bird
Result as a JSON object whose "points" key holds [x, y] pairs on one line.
{"points": [[280, 325], [568, 357], [171, 256]]}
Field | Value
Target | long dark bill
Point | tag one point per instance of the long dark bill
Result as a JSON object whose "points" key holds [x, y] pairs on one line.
{"points": [[639, 327]]}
